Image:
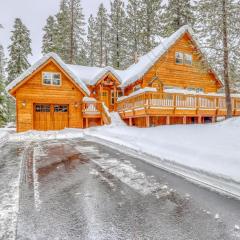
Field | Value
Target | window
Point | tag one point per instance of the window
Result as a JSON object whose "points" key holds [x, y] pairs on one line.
{"points": [[183, 58], [60, 108], [50, 78], [42, 108], [118, 94], [197, 90], [187, 59], [179, 58]]}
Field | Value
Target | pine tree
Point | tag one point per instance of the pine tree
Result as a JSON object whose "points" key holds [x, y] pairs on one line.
{"points": [[91, 41], [19, 50], [151, 11], [102, 36], [77, 31], [117, 37], [62, 44], [49, 37], [70, 31], [218, 28], [177, 14], [133, 30], [3, 97]]}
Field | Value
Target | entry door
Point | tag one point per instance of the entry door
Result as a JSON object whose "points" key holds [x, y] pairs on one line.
{"points": [[50, 117], [105, 97]]}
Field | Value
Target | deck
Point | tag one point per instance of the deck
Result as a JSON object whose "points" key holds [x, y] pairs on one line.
{"points": [[154, 108]]}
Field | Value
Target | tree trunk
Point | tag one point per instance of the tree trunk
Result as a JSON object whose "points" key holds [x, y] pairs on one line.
{"points": [[71, 37], [226, 60]]}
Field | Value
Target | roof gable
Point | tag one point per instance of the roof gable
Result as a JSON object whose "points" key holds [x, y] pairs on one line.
{"points": [[137, 71], [13, 86]]}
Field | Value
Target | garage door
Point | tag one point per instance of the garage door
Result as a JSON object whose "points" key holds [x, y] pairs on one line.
{"points": [[50, 116]]}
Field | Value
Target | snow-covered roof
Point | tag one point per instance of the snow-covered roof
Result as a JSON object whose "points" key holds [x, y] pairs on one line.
{"points": [[136, 71], [35, 66], [91, 75]]}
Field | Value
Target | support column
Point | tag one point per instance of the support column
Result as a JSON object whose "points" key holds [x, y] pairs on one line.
{"points": [[86, 122], [168, 120], [199, 119], [130, 122], [100, 98], [115, 97], [147, 121], [213, 119], [184, 120]]}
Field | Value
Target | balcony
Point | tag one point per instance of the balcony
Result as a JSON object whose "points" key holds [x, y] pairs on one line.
{"points": [[176, 104]]}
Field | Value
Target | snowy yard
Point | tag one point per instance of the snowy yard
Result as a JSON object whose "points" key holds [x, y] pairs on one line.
{"points": [[212, 148]]}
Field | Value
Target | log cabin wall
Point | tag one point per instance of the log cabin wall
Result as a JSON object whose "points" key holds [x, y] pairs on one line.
{"points": [[180, 75], [33, 91]]}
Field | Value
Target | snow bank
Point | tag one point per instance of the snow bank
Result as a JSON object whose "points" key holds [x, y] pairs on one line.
{"points": [[48, 135], [4, 136], [212, 148]]}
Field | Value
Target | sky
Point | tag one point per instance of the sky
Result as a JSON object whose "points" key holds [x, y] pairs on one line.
{"points": [[34, 14]]}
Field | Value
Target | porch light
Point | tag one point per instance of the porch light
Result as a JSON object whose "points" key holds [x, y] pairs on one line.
{"points": [[24, 103], [76, 104]]}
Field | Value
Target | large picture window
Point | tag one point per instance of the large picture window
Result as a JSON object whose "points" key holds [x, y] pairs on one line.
{"points": [[51, 78]]}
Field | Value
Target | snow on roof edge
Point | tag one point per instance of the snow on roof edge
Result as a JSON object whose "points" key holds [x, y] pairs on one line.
{"points": [[35, 66]]}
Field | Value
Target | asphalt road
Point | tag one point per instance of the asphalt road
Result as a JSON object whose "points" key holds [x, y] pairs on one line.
{"points": [[76, 189]]}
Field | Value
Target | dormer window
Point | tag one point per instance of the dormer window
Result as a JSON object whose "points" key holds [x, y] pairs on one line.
{"points": [[179, 58], [51, 78], [183, 58]]}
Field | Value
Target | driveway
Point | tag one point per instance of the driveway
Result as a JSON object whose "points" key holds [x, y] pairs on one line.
{"points": [[78, 189]]}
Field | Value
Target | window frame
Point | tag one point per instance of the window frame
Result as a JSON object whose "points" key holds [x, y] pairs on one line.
{"points": [[51, 80], [184, 59], [178, 63]]}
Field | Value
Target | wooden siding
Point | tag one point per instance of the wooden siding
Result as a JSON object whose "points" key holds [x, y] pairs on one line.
{"points": [[33, 91], [180, 75]]}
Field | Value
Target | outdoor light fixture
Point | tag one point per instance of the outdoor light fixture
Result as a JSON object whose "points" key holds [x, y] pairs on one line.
{"points": [[24, 103], [76, 105]]}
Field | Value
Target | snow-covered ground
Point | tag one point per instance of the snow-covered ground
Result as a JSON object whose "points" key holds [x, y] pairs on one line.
{"points": [[4, 135], [212, 148], [47, 135]]}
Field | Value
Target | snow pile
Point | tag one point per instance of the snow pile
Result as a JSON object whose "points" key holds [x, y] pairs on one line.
{"points": [[142, 90], [4, 136], [212, 148], [116, 120], [48, 135], [89, 99]]}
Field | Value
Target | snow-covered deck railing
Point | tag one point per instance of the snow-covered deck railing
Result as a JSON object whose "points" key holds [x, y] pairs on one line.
{"points": [[92, 108], [179, 103]]}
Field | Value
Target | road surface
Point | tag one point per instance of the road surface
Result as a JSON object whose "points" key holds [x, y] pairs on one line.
{"points": [[78, 189]]}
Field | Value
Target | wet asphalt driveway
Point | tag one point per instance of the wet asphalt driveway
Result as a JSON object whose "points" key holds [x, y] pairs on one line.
{"points": [[77, 189]]}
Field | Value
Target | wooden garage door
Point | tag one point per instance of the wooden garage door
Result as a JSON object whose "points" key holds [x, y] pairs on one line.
{"points": [[50, 116]]}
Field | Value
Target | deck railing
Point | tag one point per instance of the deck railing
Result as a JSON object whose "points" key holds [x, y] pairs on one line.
{"points": [[176, 101], [92, 108]]}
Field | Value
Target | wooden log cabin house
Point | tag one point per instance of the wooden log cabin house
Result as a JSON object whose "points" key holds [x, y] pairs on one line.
{"points": [[172, 84]]}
